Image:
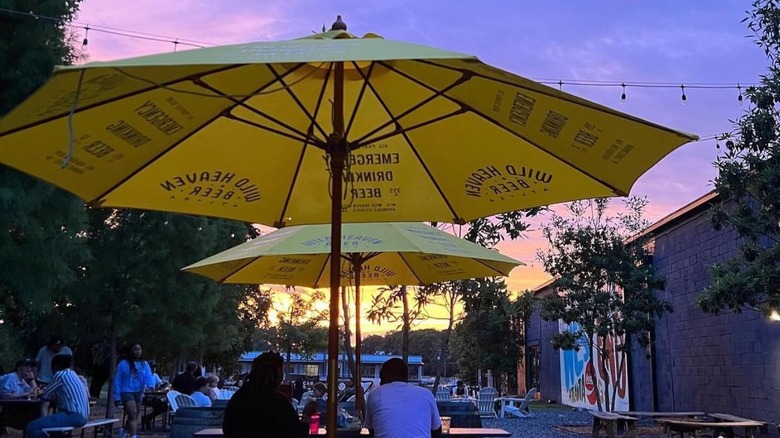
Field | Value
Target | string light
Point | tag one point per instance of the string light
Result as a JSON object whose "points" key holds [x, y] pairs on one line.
{"points": [[559, 82]]}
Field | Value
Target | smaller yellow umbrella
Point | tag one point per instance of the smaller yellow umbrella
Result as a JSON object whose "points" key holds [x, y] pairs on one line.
{"points": [[389, 254], [375, 254]]}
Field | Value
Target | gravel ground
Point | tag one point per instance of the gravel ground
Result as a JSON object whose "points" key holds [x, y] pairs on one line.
{"points": [[545, 421]]}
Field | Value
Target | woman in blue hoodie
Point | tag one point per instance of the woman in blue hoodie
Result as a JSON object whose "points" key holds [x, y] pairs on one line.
{"points": [[133, 376]]}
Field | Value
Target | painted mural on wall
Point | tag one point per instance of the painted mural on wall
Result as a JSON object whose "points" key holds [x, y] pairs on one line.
{"points": [[579, 369]]}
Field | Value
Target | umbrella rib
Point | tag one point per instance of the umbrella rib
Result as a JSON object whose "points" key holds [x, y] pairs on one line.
{"points": [[403, 259], [360, 95], [466, 77], [562, 96], [242, 103], [151, 87], [171, 147], [396, 119], [483, 263], [403, 132], [297, 171], [311, 118]]}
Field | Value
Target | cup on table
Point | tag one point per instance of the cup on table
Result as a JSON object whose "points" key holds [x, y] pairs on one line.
{"points": [[445, 424], [314, 424]]}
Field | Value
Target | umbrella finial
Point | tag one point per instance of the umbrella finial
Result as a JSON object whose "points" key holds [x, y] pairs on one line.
{"points": [[339, 24]]}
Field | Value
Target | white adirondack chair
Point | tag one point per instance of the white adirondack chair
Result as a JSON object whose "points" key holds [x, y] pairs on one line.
{"points": [[486, 402]]}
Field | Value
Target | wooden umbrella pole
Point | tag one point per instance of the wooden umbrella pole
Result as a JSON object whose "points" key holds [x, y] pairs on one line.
{"points": [[359, 400], [337, 152]]}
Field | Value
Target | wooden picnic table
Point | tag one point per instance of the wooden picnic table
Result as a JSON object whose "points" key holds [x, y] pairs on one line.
{"points": [[454, 432], [675, 425]]}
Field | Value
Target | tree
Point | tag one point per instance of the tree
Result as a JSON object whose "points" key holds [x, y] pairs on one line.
{"points": [[487, 232], [299, 328], [748, 183], [491, 335], [384, 307], [604, 286], [40, 224], [133, 288]]}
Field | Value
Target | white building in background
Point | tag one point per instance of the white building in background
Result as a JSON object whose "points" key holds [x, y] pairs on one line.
{"points": [[317, 366]]}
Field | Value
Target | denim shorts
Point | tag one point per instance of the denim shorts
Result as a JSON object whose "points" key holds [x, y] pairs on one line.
{"points": [[131, 396]]}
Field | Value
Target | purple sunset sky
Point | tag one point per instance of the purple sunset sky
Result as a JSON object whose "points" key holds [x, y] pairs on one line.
{"points": [[661, 41]]}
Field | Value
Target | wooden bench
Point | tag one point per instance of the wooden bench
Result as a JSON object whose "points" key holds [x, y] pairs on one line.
{"points": [[676, 426], [612, 421], [106, 426]]}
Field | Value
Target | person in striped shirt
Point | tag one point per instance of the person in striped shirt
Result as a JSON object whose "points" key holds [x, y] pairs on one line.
{"points": [[71, 396]]}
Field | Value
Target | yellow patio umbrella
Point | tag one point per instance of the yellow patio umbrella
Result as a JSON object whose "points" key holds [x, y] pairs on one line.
{"points": [[267, 132], [402, 253]]}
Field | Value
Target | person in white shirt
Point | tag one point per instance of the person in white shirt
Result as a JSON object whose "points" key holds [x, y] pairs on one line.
{"points": [[201, 394], [397, 409], [53, 347]]}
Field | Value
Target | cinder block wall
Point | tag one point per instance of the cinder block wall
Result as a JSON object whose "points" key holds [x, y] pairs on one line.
{"points": [[714, 363]]}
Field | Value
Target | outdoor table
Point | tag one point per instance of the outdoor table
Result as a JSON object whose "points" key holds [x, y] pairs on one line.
{"points": [[673, 425], [454, 432], [20, 407]]}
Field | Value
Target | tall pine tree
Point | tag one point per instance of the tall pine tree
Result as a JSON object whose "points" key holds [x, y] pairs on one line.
{"points": [[40, 246]]}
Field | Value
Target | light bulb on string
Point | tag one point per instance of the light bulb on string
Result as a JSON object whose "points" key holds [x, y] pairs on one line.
{"points": [[683, 97], [175, 44], [560, 85], [623, 96], [739, 97], [86, 37]]}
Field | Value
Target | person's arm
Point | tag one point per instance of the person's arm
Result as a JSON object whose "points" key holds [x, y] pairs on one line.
{"points": [[435, 417], [45, 408], [120, 369]]}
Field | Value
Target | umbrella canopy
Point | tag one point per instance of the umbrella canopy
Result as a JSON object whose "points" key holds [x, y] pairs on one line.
{"points": [[267, 132], [390, 253], [240, 132]]}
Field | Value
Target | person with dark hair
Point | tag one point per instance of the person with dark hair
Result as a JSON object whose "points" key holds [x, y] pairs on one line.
{"points": [[298, 389], [398, 409], [53, 347], [201, 393], [184, 382], [71, 395], [460, 389], [133, 376], [19, 384], [258, 406]]}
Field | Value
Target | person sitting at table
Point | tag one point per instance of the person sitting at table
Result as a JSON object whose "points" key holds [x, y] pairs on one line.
{"points": [[19, 384], [258, 408], [53, 347], [460, 389], [133, 376], [298, 389], [71, 395], [184, 382], [201, 393], [398, 409], [213, 380], [348, 391], [154, 401]]}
